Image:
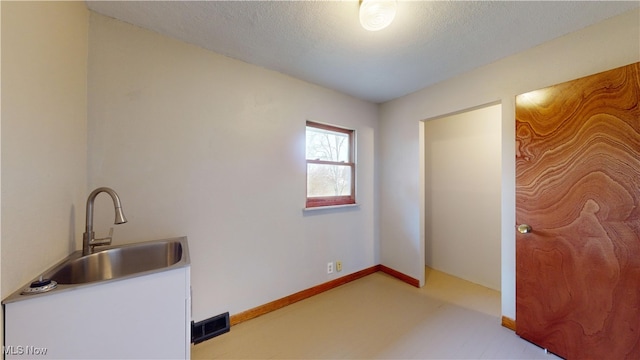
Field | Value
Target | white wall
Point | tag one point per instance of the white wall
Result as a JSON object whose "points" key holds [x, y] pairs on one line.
{"points": [[44, 127], [202, 145], [462, 186], [609, 44]]}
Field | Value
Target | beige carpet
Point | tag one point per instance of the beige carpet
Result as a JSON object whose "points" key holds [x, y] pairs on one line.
{"points": [[380, 317]]}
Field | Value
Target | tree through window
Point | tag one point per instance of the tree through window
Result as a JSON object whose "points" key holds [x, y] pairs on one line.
{"points": [[331, 167]]}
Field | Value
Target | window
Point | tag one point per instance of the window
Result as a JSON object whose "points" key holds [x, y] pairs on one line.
{"points": [[331, 168]]}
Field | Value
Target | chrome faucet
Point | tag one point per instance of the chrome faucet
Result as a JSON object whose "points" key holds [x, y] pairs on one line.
{"points": [[88, 241]]}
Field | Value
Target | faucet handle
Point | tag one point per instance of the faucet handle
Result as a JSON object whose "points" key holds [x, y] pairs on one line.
{"points": [[101, 242]]}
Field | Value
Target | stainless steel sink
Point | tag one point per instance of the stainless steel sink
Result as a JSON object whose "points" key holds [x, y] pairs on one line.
{"points": [[110, 264], [118, 262]]}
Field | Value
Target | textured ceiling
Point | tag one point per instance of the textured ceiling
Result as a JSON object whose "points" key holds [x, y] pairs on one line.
{"points": [[322, 41]]}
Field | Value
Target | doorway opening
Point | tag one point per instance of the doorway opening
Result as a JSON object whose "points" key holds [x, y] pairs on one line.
{"points": [[462, 194]]}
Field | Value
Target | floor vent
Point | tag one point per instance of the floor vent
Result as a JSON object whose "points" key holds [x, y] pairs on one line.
{"points": [[209, 328]]}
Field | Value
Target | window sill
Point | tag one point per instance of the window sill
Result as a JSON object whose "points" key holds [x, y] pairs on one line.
{"points": [[316, 208]]}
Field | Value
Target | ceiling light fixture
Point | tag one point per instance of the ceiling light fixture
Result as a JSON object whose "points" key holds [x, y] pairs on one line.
{"points": [[377, 14]]}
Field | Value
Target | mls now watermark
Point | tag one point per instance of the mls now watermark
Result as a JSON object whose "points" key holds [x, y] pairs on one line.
{"points": [[27, 350]]}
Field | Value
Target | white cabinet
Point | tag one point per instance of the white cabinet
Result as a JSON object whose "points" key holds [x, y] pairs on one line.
{"points": [[144, 317]]}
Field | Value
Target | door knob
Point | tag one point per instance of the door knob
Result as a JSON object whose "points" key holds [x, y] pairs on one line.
{"points": [[524, 229]]}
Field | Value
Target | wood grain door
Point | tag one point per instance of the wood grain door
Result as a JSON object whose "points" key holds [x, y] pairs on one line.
{"points": [[578, 189]]}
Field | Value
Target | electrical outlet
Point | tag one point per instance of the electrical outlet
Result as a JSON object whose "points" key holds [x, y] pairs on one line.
{"points": [[330, 268], [338, 266]]}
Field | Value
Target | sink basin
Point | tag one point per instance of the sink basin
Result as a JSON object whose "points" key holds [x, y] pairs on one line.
{"points": [[118, 262], [110, 264]]}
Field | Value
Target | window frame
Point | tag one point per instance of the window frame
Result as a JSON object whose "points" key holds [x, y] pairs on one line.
{"points": [[322, 201]]}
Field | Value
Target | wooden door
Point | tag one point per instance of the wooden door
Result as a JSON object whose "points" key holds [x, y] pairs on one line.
{"points": [[578, 188]]}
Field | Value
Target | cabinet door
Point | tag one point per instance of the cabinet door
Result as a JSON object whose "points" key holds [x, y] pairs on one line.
{"points": [[143, 317]]}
